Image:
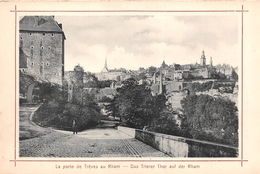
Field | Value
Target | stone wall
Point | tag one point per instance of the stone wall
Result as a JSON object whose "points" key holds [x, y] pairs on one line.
{"points": [[173, 146], [179, 146], [45, 52]]}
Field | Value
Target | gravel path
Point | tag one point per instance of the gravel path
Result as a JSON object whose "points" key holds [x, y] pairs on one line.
{"points": [[99, 142]]}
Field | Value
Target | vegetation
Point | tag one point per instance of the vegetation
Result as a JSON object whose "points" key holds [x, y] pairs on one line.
{"points": [[57, 112], [135, 105], [204, 117], [211, 119], [201, 87], [151, 70], [224, 87], [166, 124], [93, 82]]}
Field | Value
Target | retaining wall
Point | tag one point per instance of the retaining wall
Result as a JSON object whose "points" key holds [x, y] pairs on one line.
{"points": [[179, 146]]}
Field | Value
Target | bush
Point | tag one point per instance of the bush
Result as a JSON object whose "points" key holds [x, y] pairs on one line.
{"points": [[208, 118], [58, 113]]}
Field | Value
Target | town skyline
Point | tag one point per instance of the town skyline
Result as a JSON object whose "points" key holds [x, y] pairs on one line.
{"points": [[137, 41]]}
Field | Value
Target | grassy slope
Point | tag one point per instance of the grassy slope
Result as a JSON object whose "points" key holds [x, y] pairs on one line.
{"points": [[27, 130]]}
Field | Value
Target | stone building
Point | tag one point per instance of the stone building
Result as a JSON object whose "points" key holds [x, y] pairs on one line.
{"points": [[75, 85], [199, 70], [42, 48], [107, 74]]}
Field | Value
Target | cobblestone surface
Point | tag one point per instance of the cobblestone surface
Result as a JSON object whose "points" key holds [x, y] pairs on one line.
{"points": [[99, 142]]}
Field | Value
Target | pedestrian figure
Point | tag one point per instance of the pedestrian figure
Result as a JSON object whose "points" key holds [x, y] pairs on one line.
{"points": [[74, 126]]}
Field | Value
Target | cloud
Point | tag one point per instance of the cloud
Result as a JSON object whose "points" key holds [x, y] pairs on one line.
{"points": [[142, 41]]}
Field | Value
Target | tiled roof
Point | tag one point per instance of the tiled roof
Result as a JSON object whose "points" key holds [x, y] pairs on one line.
{"points": [[39, 23]]}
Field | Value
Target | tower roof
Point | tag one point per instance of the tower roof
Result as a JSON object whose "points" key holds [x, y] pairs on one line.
{"points": [[40, 24]]}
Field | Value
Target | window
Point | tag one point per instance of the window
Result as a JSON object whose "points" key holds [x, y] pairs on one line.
{"points": [[21, 38], [42, 47], [52, 34], [30, 34], [43, 34], [32, 47], [47, 63], [32, 63], [49, 47], [42, 63]]}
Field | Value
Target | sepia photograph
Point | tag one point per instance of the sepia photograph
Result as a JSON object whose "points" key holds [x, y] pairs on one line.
{"points": [[129, 87], [138, 85]]}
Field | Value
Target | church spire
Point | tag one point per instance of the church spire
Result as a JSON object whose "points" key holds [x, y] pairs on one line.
{"points": [[105, 69]]}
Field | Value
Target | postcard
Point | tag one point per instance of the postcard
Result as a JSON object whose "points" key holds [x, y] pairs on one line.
{"points": [[129, 87]]}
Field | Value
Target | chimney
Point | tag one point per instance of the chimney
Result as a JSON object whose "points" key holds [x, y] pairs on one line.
{"points": [[60, 25]]}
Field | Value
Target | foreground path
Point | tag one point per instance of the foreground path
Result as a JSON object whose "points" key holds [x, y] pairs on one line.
{"points": [[99, 142]]}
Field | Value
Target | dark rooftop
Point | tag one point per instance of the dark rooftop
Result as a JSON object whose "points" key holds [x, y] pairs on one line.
{"points": [[40, 23]]}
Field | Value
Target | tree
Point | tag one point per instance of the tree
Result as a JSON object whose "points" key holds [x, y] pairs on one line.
{"points": [[205, 113], [104, 83], [140, 76], [151, 70], [57, 112], [92, 80], [234, 75], [135, 104]]}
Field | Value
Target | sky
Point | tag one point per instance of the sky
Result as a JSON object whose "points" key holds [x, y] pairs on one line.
{"points": [[147, 40]]}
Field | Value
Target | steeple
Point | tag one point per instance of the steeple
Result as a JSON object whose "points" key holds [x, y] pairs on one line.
{"points": [[105, 69], [203, 59], [211, 62], [105, 64]]}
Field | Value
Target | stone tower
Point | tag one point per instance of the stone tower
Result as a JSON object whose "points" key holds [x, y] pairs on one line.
{"points": [[161, 84], [203, 59], [42, 41]]}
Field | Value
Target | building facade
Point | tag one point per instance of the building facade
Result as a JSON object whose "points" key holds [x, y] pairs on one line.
{"points": [[42, 48], [107, 74]]}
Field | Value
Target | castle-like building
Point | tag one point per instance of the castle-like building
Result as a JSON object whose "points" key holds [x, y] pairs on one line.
{"points": [[41, 49], [74, 84], [199, 70]]}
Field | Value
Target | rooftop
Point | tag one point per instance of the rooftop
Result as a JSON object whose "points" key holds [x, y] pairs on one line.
{"points": [[40, 24]]}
